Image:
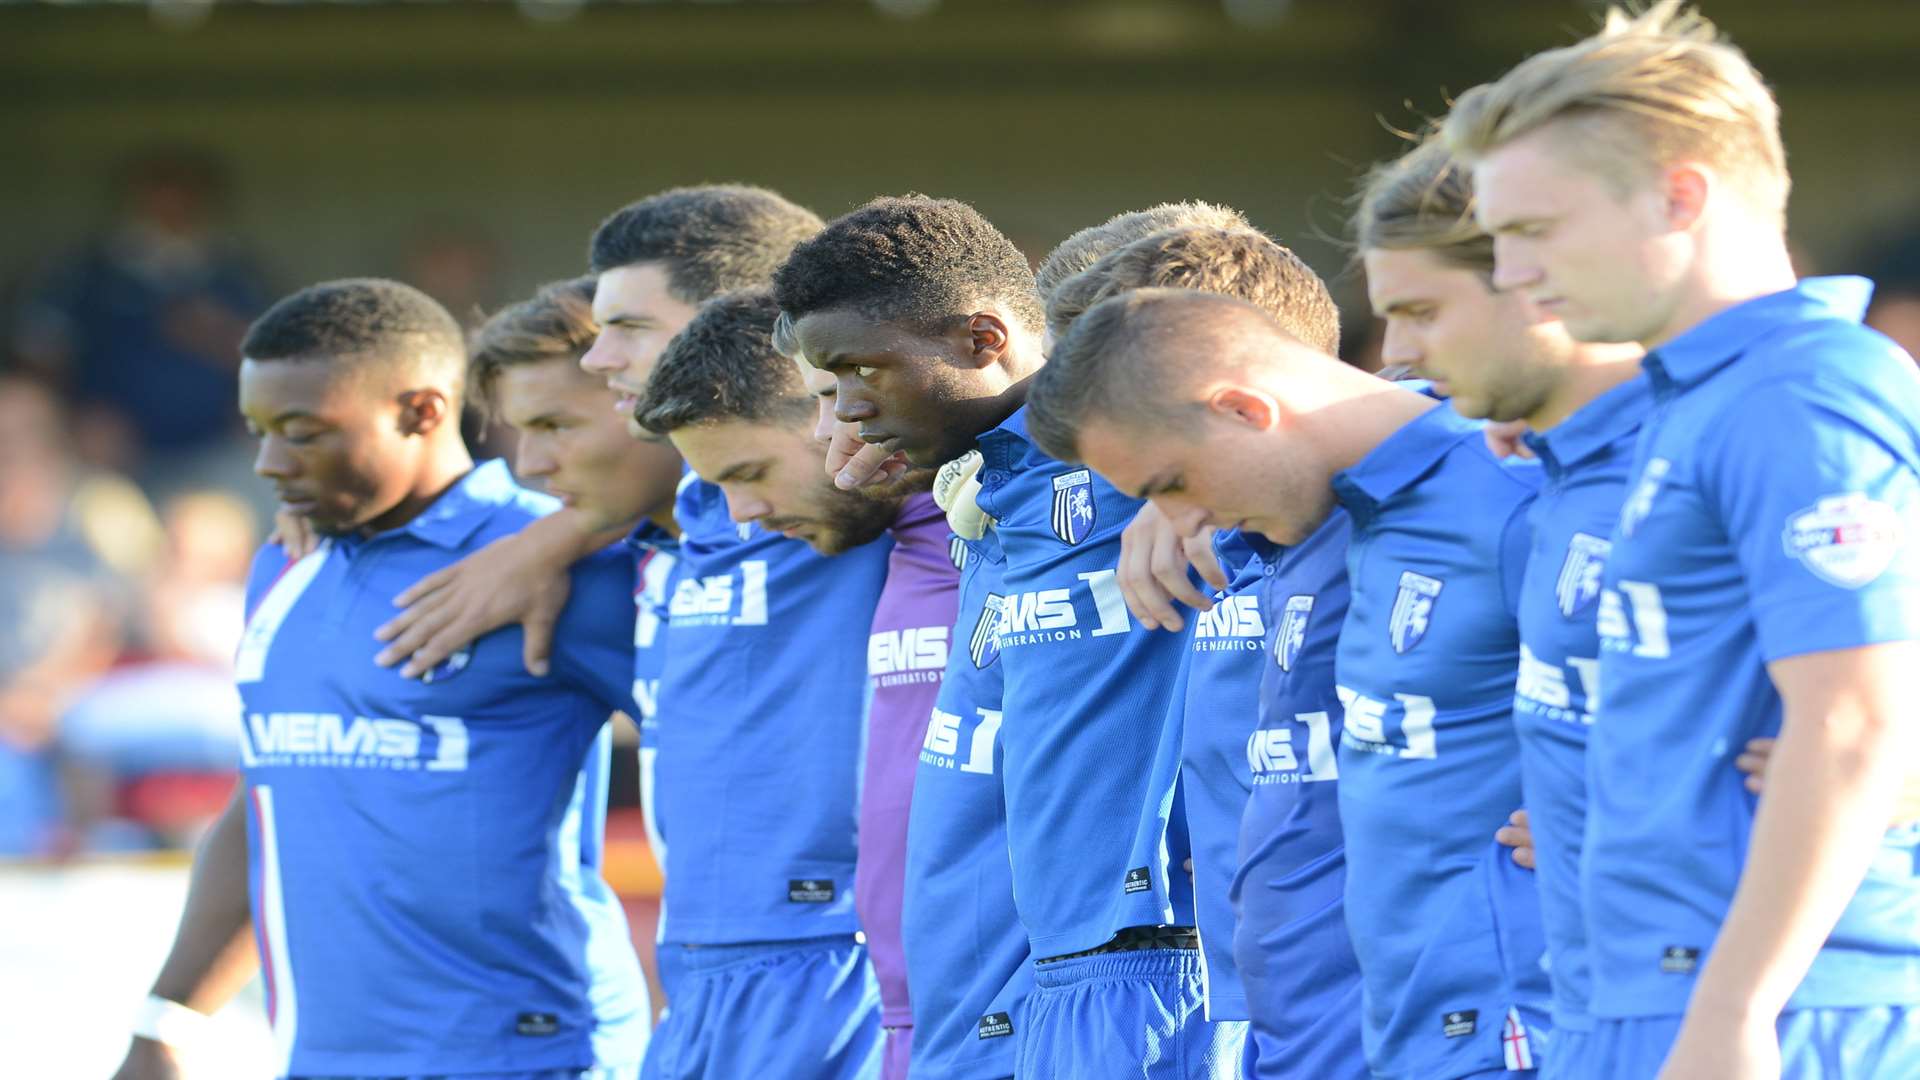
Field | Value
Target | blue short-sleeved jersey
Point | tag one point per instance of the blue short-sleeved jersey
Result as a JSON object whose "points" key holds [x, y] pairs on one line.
{"points": [[1087, 746], [1428, 758], [656, 552], [1219, 713], [1772, 513], [1585, 458], [1292, 947], [422, 851], [967, 970], [763, 689]]}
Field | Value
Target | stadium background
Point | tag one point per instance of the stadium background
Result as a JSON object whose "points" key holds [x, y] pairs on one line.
{"points": [[471, 147]]}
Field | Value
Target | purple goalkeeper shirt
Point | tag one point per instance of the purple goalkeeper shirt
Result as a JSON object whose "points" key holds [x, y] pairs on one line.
{"points": [[906, 655]]}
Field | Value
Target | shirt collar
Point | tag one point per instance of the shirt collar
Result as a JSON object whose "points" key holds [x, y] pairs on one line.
{"points": [[1013, 427], [1716, 342], [1405, 457], [1593, 427], [460, 511], [647, 536]]}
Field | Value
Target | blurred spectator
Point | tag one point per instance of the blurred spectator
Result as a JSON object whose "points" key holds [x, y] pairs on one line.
{"points": [[456, 263], [61, 599], [143, 324], [1895, 270], [150, 749]]}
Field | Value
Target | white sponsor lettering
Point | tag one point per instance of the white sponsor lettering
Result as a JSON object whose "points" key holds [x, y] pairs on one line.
{"points": [[1366, 724], [332, 740]]}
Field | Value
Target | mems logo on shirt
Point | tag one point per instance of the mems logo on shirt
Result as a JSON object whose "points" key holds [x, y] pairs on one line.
{"points": [[1233, 625], [332, 741], [914, 655], [1049, 615], [738, 598]]}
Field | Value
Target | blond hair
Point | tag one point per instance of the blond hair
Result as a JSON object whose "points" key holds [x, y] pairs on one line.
{"points": [[1423, 200], [1241, 263], [557, 324], [1647, 90]]}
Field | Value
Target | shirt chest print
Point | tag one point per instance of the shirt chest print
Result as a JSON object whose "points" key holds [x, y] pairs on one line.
{"points": [[1412, 610]]}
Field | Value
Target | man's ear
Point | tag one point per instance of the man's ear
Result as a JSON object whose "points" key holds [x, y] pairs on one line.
{"points": [[987, 338], [1251, 408], [421, 411], [1685, 187]]}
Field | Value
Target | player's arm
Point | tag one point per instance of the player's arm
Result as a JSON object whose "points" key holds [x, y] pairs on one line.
{"points": [[516, 579], [213, 952], [1755, 758], [1838, 771]]}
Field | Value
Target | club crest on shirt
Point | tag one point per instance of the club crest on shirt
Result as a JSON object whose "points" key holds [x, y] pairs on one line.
{"points": [[1412, 610], [1073, 509], [957, 552], [448, 668], [745, 529], [1846, 540], [1293, 631], [1580, 573], [1640, 503], [984, 646]]}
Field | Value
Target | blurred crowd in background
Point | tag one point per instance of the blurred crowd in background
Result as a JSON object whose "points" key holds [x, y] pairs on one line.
{"points": [[128, 511], [129, 515]]}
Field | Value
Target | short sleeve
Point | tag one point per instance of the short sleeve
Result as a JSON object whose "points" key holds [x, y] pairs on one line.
{"points": [[1817, 485], [593, 644], [1516, 545]]}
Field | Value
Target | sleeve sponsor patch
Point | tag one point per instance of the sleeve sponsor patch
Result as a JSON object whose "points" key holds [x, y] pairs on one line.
{"points": [[1845, 540]]}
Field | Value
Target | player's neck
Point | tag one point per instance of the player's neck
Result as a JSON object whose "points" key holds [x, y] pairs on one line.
{"points": [[1596, 369], [1356, 425], [446, 462], [1733, 267]]}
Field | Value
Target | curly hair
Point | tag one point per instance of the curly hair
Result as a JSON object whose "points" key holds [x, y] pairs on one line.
{"points": [[711, 239], [723, 366], [1091, 244], [910, 259], [359, 320]]}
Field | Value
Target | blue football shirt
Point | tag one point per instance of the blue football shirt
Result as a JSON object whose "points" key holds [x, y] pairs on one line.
{"points": [[1218, 715], [1428, 758], [1771, 514], [1585, 459], [1291, 943], [656, 553], [763, 692], [1090, 760], [967, 969], [422, 851]]}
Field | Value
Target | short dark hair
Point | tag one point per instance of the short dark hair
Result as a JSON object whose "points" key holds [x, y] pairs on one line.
{"points": [[911, 259], [556, 324], [1112, 363], [1241, 263], [723, 366], [1093, 243], [710, 239], [359, 319]]}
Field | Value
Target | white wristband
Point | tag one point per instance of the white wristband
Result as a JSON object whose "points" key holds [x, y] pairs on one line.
{"points": [[170, 1023]]}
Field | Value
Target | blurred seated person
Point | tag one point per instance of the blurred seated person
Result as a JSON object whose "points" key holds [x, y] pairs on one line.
{"points": [[143, 323]]}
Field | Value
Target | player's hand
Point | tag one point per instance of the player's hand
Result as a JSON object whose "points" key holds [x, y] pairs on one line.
{"points": [[1504, 439], [1755, 756], [1723, 1046], [1154, 560], [854, 464], [294, 534], [1517, 834], [499, 585], [149, 1060]]}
